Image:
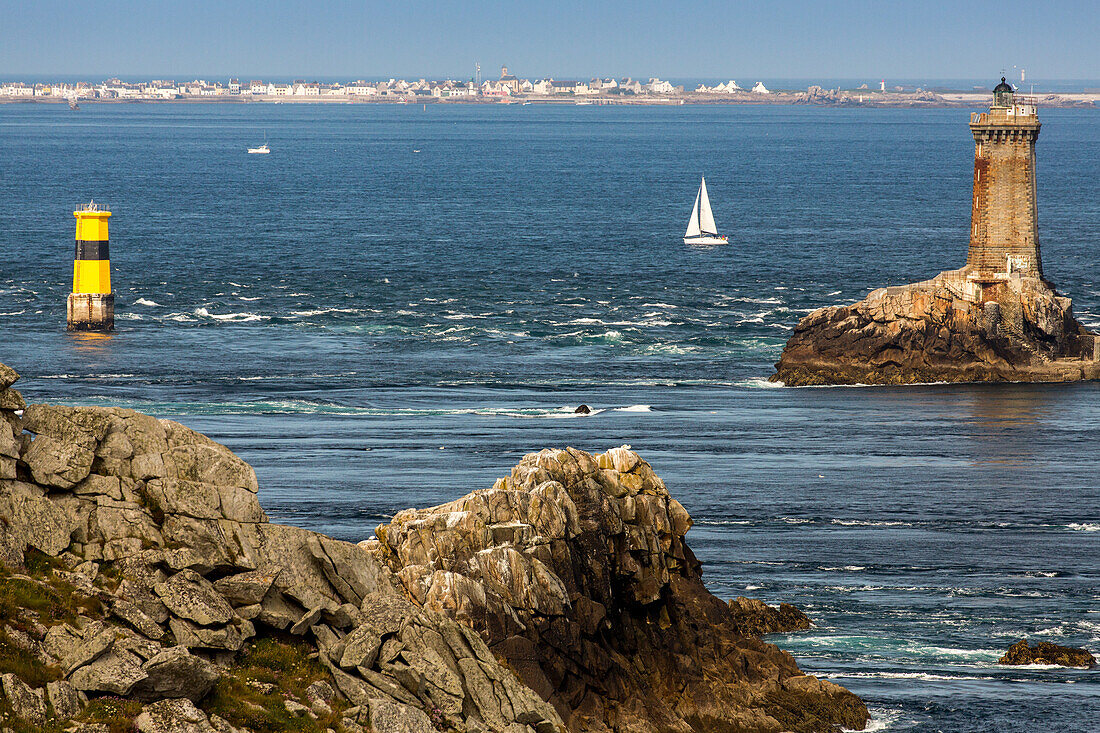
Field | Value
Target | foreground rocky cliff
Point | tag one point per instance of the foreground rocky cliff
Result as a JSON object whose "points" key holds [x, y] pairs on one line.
{"points": [[945, 329], [142, 588]]}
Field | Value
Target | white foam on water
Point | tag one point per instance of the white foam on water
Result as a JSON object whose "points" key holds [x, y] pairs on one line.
{"points": [[869, 523], [230, 317], [759, 383], [1084, 526], [256, 298], [146, 301], [14, 313], [633, 408], [846, 568]]}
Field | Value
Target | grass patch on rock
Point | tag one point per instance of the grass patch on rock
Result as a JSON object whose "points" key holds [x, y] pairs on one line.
{"points": [[117, 713], [270, 672]]}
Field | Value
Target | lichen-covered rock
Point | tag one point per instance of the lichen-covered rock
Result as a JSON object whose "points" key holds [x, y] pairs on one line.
{"points": [[947, 329], [574, 570], [115, 672], [26, 702], [1046, 653], [176, 672], [191, 596], [173, 716]]}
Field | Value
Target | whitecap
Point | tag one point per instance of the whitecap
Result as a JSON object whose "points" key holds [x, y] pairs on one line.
{"points": [[758, 383], [146, 301], [1084, 526], [634, 408], [14, 313], [231, 317]]}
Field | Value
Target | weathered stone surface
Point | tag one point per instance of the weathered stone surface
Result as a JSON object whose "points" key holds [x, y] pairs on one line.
{"points": [[1046, 653], [231, 638], [191, 596], [26, 702], [392, 717], [361, 648], [137, 619], [34, 519], [63, 697], [944, 329], [89, 650], [116, 672], [173, 716], [176, 672], [8, 376], [246, 589]]}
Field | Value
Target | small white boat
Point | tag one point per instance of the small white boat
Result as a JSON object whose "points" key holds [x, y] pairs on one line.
{"points": [[701, 227], [263, 149]]}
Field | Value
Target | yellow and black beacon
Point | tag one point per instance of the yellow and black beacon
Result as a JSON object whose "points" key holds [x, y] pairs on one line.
{"points": [[92, 304]]}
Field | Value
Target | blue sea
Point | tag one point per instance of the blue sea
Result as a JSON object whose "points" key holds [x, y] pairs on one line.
{"points": [[399, 302]]}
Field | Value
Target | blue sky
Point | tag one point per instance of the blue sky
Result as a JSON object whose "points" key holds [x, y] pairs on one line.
{"points": [[1055, 39]]}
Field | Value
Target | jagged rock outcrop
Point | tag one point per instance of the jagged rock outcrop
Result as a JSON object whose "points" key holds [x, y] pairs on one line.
{"points": [[942, 330], [144, 588], [165, 568], [1046, 653], [575, 571]]}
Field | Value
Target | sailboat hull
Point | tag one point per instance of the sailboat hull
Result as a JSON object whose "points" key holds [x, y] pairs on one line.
{"points": [[706, 239]]}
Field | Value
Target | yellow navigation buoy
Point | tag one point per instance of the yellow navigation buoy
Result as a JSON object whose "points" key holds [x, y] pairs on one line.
{"points": [[91, 304]]}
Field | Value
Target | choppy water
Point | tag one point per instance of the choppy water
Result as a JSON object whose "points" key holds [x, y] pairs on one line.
{"points": [[396, 304]]}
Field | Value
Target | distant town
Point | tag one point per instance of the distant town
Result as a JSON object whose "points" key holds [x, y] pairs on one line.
{"points": [[508, 89]]}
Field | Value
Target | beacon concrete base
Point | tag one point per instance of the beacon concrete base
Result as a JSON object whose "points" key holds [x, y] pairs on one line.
{"points": [[91, 312]]}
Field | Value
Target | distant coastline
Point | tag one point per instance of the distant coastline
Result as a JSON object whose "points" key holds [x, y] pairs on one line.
{"points": [[511, 90], [1081, 101]]}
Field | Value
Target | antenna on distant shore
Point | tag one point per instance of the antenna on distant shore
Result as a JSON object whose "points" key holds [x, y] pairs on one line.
{"points": [[477, 73]]}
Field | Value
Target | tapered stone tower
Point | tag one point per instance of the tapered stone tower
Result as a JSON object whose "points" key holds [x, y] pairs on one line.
{"points": [[1004, 234]]}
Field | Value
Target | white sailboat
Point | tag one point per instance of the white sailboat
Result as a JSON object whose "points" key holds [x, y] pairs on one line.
{"points": [[263, 149], [701, 227]]}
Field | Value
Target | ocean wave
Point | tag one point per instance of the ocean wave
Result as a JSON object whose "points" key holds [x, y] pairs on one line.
{"points": [[869, 523], [231, 317], [759, 383], [923, 676], [881, 719], [1084, 526], [322, 311], [14, 313], [634, 408], [845, 568], [146, 301]]}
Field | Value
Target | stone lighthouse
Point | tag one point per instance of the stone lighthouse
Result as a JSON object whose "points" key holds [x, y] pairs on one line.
{"points": [[1004, 235]]}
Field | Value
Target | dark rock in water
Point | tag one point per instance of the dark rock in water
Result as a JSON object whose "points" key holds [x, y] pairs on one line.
{"points": [[1046, 653], [943, 330], [757, 618], [583, 410]]}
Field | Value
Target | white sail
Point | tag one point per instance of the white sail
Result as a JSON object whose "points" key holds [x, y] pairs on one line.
{"points": [[693, 222], [706, 217]]}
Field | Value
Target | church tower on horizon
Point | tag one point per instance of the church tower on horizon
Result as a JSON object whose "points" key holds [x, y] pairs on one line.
{"points": [[1004, 233]]}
